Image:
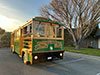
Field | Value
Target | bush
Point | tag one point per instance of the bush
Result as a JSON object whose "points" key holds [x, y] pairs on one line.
{"points": [[5, 39]]}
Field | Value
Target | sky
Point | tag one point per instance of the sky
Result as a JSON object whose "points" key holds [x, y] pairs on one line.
{"points": [[14, 13]]}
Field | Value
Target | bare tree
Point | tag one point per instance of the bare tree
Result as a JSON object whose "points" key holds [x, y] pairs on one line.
{"points": [[79, 17]]}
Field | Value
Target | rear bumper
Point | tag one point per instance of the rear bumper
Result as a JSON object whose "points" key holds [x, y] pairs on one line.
{"points": [[51, 55]]}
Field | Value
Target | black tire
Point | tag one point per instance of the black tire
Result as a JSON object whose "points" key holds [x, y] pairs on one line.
{"points": [[27, 63], [23, 56]]}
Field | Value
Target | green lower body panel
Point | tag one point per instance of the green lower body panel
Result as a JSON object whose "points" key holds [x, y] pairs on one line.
{"points": [[43, 50], [17, 46], [40, 45]]}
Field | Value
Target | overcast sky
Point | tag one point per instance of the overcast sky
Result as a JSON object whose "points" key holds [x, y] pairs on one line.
{"points": [[14, 13]]}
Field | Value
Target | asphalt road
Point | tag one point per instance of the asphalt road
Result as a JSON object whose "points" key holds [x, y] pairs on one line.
{"points": [[72, 64]]}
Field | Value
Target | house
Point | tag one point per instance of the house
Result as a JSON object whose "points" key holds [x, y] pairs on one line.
{"points": [[92, 41], [97, 38]]}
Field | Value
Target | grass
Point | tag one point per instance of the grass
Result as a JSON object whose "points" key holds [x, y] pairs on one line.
{"points": [[88, 51]]}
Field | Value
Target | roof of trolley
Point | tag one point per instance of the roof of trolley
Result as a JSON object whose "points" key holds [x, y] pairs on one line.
{"points": [[40, 19]]}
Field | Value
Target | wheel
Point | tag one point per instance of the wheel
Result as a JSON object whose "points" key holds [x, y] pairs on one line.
{"points": [[22, 56], [24, 59]]}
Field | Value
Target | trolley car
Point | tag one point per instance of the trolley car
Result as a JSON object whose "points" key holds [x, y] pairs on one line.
{"points": [[38, 39]]}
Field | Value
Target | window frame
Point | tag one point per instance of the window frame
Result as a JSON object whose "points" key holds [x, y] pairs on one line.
{"points": [[46, 26]]}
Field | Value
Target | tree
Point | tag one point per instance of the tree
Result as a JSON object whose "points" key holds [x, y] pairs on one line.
{"points": [[2, 31], [67, 39], [5, 39], [80, 17]]}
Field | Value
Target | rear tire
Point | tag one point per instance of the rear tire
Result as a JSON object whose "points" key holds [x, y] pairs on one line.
{"points": [[23, 56], [23, 59]]}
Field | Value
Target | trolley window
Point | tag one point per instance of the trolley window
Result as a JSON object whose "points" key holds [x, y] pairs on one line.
{"points": [[47, 30], [39, 30]]}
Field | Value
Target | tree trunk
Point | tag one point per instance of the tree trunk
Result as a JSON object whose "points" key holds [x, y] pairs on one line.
{"points": [[77, 46]]}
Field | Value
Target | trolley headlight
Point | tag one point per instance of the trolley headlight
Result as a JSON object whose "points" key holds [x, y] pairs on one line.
{"points": [[61, 54], [35, 57]]}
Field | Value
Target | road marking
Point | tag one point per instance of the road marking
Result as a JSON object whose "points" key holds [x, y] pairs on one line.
{"points": [[98, 74]]}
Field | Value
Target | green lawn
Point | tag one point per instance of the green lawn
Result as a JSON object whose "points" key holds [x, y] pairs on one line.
{"points": [[88, 51]]}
